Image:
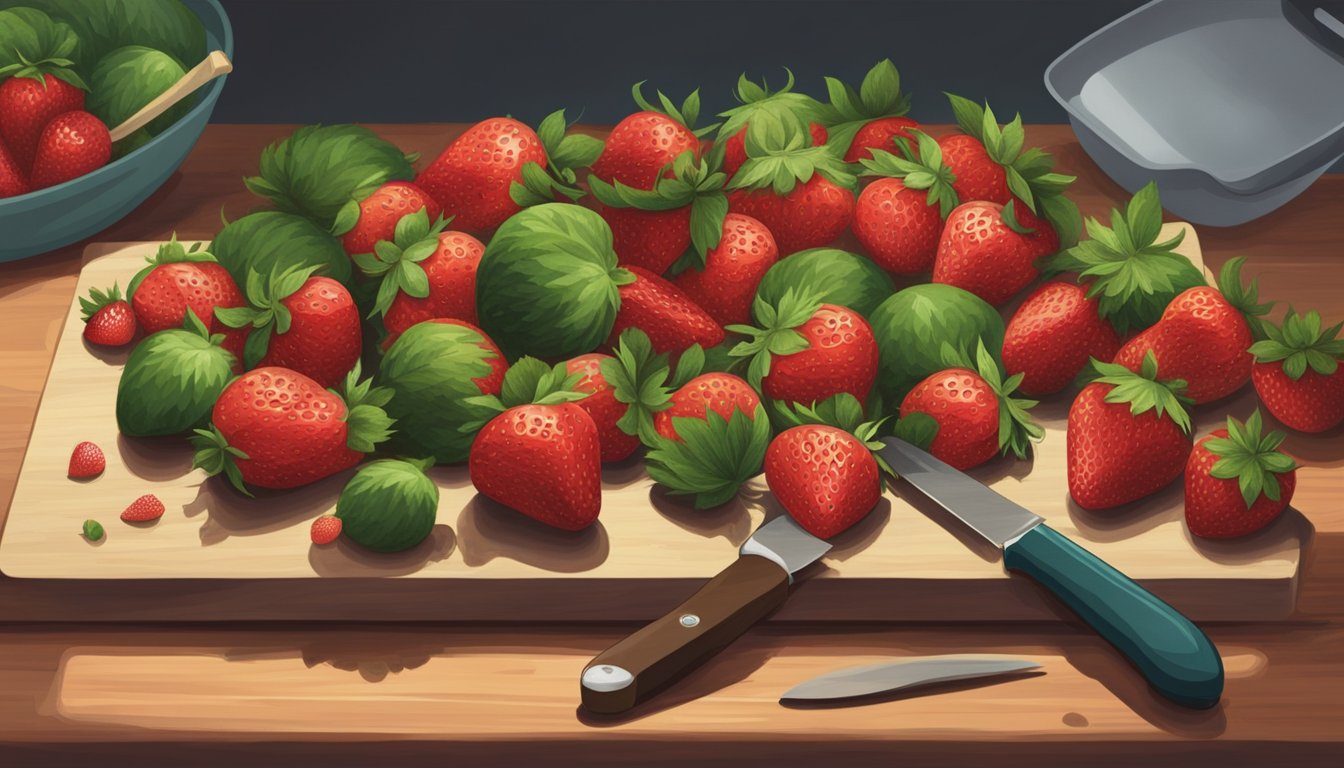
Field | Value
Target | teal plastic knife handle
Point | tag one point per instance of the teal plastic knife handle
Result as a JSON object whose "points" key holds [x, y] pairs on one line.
{"points": [[1174, 655]]}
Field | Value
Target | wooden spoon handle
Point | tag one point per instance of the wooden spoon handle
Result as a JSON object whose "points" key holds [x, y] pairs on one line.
{"points": [[215, 64]]}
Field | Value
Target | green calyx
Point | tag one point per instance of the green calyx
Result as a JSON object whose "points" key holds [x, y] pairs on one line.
{"points": [[366, 423], [879, 96], [1144, 392], [565, 154], [687, 114], [639, 379], [266, 313], [56, 65], [397, 261], [171, 252], [755, 99], [922, 170], [694, 183], [1017, 429], [1245, 298], [98, 299], [842, 411], [1132, 275], [1028, 171], [216, 456], [1301, 343], [780, 155], [528, 381], [1250, 457], [776, 332], [713, 458]]}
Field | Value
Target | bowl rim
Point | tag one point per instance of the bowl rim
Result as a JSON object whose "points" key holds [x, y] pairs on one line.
{"points": [[210, 95]]}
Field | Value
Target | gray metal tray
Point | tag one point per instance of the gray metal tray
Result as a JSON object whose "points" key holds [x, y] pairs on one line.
{"points": [[1233, 107]]}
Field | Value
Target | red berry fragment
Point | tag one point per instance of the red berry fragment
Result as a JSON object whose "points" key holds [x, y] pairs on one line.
{"points": [[86, 460], [143, 509], [326, 529]]}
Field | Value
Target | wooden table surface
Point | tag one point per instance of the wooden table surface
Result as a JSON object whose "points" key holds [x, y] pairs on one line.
{"points": [[221, 694]]}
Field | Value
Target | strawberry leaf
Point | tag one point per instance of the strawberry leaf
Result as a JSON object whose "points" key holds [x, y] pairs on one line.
{"points": [[1144, 392], [798, 108], [1243, 297], [713, 458], [776, 334], [98, 299], [638, 378], [216, 456], [922, 170], [687, 114], [918, 429], [1301, 343], [1251, 457]]}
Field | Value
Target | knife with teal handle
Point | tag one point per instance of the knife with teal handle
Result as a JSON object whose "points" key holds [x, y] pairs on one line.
{"points": [[1176, 657]]}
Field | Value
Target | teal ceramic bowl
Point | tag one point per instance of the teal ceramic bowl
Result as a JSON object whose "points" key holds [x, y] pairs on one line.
{"points": [[57, 216]]}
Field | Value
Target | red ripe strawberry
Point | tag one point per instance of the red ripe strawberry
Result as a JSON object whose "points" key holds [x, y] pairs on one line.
{"points": [[72, 144], [803, 196], [108, 318], [601, 404], [672, 321], [823, 476], [29, 100], [13, 179], [725, 285], [276, 428], [870, 117], [380, 212], [1237, 481], [179, 279], [653, 228], [325, 530], [1053, 334], [143, 509], [1203, 337], [719, 393], [424, 273], [880, 134], [970, 408], [991, 250], [985, 155], [480, 179], [800, 111], [899, 218], [86, 461], [306, 324], [642, 145], [1297, 373], [805, 351], [1127, 436]]}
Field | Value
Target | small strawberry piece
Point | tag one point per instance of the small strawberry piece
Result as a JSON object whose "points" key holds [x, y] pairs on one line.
{"points": [[13, 179], [720, 393], [672, 321], [1127, 436], [1237, 481], [109, 320], [981, 252], [1203, 337], [602, 405], [143, 509], [86, 461], [1053, 334], [824, 477], [1297, 372], [325, 530], [970, 408], [726, 284], [899, 218], [29, 101], [71, 145], [380, 212]]}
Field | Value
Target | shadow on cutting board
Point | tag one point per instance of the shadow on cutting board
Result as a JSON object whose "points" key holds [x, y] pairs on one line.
{"points": [[346, 558], [487, 530], [731, 521], [156, 459], [229, 513]]}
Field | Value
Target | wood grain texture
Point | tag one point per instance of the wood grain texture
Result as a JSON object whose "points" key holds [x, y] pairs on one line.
{"points": [[492, 563]]}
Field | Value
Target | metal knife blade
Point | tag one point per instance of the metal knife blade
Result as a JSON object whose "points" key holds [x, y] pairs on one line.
{"points": [[986, 512], [872, 679], [786, 543]]}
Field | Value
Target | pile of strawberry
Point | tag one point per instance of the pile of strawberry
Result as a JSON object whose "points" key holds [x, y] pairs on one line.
{"points": [[715, 324]]}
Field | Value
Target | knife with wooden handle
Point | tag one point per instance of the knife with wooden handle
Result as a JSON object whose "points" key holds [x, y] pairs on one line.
{"points": [[1177, 659], [745, 592]]}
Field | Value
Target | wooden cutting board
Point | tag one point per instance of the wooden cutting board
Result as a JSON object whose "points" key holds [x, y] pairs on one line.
{"points": [[219, 556]]}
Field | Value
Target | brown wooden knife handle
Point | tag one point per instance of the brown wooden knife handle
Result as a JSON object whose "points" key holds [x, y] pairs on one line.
{"points": [[648, 660]]}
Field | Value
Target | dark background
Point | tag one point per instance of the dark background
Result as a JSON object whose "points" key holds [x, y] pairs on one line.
{"points": [[305, 61]]}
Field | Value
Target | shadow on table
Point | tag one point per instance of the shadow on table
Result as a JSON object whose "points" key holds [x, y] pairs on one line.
{"points": [[487, 530]]}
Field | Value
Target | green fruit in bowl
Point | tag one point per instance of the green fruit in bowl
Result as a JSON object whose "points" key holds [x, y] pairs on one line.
{"points": [[128, 78], [832, 275], [389, 505]]}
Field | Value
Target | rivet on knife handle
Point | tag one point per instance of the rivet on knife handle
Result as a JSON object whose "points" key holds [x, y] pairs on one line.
{"points": [[655, 656], [1177, 659]]}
